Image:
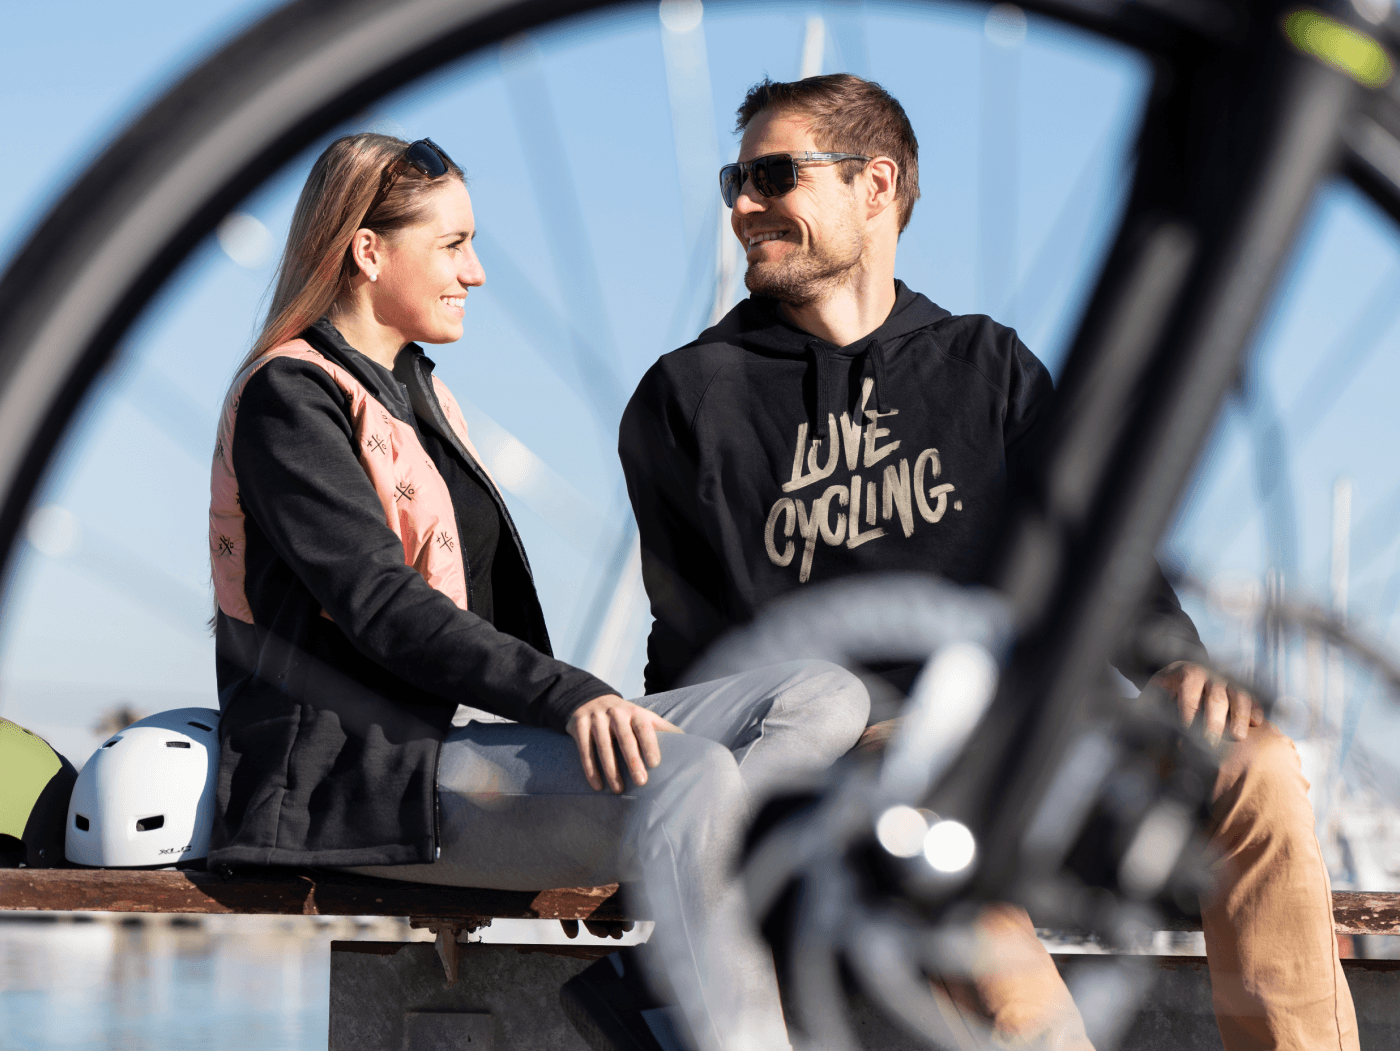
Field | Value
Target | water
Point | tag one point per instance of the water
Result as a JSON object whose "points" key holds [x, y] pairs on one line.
{"points": [[245, 982], [99, 981]]}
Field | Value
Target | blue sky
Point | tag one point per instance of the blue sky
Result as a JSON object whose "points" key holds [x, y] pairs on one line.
{"points": [[594, 207]]}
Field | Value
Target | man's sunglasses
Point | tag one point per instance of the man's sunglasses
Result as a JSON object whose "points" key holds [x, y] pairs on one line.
{"points": [[773, 175], [425, 155]]}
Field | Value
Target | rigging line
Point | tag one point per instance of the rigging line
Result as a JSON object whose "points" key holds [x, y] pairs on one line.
{"points": [[1356, 701], [813, 49], [166, 406], [728, 260], [566, 350], [181, 605], [1377, 532], [694, 132], [846, 24], [1389, 601], [556, 194], [1272, 480], [612, 557], [1047, 269], [527, 477], [696, 140], [1329, 378], [1310, 619], [1351, 717], [696, 294], [697, 147], [611, 651], [999, 182]]}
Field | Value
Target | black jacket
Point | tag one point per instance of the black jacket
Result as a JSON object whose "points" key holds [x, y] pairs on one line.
{"points": [[331, 727], [760, 458]]}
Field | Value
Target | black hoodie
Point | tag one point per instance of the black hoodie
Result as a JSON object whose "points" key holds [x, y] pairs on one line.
{"points": [[760, 458]]}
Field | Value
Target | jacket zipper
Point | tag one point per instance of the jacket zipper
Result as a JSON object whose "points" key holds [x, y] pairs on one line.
{"points": [[437, 808]]}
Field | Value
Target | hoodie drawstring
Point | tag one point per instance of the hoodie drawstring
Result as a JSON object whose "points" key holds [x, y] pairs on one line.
{"points": [[877, 358], [821, 357], [823, 363]]}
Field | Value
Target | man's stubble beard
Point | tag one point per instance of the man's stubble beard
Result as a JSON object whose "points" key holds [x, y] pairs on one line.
{"points": [[807, 275]]}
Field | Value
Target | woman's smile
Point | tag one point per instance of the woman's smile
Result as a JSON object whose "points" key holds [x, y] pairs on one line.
{"points": [[415, 265]]}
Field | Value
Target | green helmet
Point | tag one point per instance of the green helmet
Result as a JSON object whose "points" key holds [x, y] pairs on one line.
{"points": [[35, 783]]}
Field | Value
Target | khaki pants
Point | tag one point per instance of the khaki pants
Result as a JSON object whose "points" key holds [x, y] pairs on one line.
{"points": [[1275, 976]]}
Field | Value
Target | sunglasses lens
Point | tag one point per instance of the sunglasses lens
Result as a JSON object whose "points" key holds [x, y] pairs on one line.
{"points": [[774, 176], [423, 156], [731, 181]]}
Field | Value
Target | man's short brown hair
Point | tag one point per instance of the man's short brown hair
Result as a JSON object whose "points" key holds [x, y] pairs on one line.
{"points": [[848, 115]]}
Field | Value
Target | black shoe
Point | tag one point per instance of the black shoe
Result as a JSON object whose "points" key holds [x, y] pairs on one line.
{"points": [[612, 1008]]}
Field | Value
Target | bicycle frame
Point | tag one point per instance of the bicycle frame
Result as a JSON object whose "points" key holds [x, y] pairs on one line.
{"points": [[1245, 119]]}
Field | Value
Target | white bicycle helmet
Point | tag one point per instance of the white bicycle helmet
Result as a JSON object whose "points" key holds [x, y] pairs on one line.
{"points": [[146, 797]]}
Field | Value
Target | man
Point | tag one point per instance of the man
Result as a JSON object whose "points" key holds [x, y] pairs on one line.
{"points": [[837, 423]]}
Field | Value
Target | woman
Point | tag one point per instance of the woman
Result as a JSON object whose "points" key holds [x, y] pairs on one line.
{"points": [[369, 580]]}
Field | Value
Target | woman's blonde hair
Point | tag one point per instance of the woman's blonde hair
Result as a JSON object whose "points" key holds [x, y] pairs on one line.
{"points": [[316, 265]]}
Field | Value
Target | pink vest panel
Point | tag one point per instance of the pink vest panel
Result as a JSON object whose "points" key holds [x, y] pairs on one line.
{"points": [[417, 505]]}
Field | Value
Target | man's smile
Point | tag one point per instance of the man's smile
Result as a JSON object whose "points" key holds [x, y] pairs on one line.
{"points": [[766, 235]]}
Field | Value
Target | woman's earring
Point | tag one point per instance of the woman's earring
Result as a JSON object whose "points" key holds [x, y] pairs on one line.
{"points": [[374, 277]]}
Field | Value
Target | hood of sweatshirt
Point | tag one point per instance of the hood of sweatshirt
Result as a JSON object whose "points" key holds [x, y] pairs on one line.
{"points": [[758, 326]]}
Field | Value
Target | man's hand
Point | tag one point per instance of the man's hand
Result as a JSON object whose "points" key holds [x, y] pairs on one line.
{"points": [[1219, 703], [609, 720], [598, 928], [877, 737]]}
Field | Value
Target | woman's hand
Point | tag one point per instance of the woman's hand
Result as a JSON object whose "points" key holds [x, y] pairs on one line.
{"points": [[604, 721]]}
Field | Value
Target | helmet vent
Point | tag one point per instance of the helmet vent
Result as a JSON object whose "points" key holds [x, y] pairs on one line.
{"points": [[150, 824], [209, 729], [113, 741], [177, 744], [81, 822]]}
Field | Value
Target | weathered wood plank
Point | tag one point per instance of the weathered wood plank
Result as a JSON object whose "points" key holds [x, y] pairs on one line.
{"points": [[293, 894], [1354, 912], [335, 894], [1366, 912]]}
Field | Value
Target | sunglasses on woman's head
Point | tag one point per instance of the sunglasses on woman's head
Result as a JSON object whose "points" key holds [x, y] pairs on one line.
{"points": [[428, 157], [425, 155], [773, 175]]}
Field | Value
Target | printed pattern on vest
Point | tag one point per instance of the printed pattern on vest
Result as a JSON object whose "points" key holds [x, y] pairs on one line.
{"points": [[416, 503]]}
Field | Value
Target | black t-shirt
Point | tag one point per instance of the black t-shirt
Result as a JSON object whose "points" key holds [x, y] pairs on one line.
{"points": [[478, 524], [478, 519]]}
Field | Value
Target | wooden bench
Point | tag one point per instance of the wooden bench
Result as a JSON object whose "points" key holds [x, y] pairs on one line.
{"points": [[374, 984], [446, 911], [313, 893], [285, 893]]}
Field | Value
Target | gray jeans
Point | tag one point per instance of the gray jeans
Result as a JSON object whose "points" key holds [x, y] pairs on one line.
{"points": [[517, 814]]}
